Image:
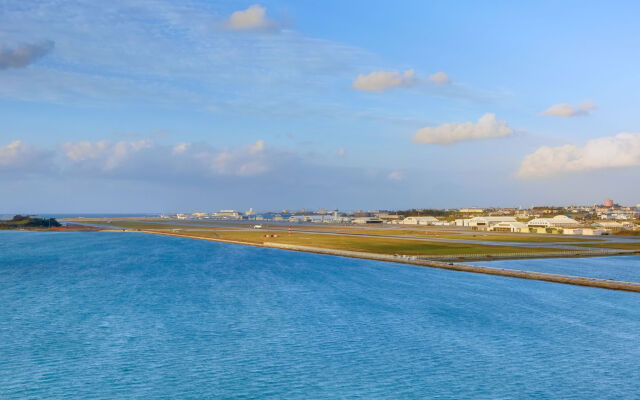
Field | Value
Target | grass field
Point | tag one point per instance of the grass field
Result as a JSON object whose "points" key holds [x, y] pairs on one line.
{"points": [[364, 244], [380, 240], [351, 229], [520, 238], [378, 245], [621, 246]]}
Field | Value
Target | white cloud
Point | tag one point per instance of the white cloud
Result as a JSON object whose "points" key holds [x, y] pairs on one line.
{"points": [[11, 152], [257, 147], [17, 156], [622, 150], [488, 126], [195, 175], [237, 163], [180, 148], [252, 19], [437, 84], [440, 78], [23, 55], [147, 158], [247, 161], [81, 151], [380, 81], [103, 154], [567, 110], [395, 176]]}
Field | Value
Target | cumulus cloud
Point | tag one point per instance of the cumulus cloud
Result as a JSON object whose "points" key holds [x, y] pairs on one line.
{"points": [[105, 155], [180, 148], [150, 161], [440, 78], [257, 147], [567, 110], [622, 150], [17, 156], [22, 56], [145, 158], [246, 161], [487, 126], [250, 168], [253, 18], [12, 152], [395, 175], [380, 81]]}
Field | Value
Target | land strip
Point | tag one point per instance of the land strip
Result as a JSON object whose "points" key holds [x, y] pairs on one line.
{"points": [[386, 239]]}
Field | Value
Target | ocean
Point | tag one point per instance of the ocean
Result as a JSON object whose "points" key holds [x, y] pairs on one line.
{"points": [[620, 268], [134, 316]]}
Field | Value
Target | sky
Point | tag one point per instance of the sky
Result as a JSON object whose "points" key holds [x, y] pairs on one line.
{"points": [[163, 106]]}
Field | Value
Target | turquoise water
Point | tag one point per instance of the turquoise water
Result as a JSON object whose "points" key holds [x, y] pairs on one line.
{"points": [[126, 315], [621, 268]]}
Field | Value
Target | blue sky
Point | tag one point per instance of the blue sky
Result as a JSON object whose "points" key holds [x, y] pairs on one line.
{"points": [[161, 106]]}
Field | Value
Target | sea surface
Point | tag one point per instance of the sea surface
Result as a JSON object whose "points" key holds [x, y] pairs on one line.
{"points": [[111, 315], [621, 268]]}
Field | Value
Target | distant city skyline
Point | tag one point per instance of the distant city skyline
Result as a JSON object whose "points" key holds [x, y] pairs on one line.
{"points": [[158, 106]]}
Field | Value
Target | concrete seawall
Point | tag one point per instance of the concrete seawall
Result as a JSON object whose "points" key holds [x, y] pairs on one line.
{"points": [[512, 273]]}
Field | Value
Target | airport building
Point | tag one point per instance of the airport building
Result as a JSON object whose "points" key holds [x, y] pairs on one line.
{"points": [[227, 214], [366, 220], [471, 210], [510, 227], [559, 221], [593, 232], [612, 226], [486, 223], [420, 221], [461, 222]]}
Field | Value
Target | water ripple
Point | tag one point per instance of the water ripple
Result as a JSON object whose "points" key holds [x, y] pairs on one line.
{"points": [[111, 315]]}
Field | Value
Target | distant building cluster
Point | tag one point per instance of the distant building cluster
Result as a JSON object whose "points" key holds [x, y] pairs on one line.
{"points": [[572, 220]]}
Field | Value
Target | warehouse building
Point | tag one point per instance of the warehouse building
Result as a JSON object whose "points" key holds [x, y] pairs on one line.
{"points": [[419, 221], [559, 221], [485, 223], [510, 227]]}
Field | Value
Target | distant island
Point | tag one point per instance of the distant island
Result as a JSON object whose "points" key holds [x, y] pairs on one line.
{"points": [[25, 221]]}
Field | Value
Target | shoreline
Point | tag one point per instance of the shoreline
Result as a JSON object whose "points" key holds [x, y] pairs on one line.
{"points": [[429, 263]]}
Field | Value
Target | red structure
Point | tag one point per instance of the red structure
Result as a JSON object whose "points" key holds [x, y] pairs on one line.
{"points": [[608, 203]]}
